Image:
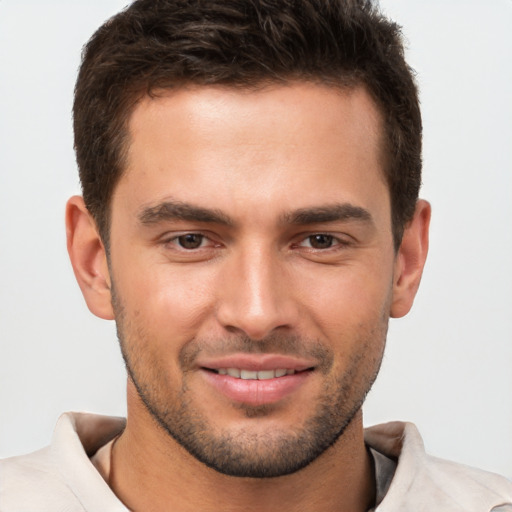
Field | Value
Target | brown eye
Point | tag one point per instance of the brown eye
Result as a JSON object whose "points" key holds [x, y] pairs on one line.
{"points": [[321, 241], [190, 241]]}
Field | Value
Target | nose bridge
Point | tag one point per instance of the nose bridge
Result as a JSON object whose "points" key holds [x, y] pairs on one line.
{"points": [[254, 297]]}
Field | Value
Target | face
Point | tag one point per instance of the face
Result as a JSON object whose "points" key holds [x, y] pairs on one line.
{"points": [[252, 267]]}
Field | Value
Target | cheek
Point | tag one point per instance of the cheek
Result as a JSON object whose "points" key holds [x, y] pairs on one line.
{"points": [[354, 323], [168, 301], [349, 298]]}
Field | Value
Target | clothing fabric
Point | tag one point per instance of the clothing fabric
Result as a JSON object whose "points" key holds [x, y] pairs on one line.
{"points": [[422, 483], [62, 477]]}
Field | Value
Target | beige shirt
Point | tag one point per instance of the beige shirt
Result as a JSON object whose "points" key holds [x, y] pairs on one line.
{"points": [[62, 477]]}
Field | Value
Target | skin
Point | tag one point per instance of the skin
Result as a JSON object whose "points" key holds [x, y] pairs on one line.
{"points": [[267, 163]]}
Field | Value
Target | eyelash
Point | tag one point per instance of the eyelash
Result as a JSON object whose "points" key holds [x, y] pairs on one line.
{"points": [[333, 241], [175, 240]]}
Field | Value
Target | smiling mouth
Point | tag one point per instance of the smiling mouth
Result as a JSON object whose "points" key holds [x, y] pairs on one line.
{"points": [[239, 373], [257, 383]]}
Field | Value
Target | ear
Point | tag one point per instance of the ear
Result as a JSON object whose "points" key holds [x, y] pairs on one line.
{"points": [[88, 258], [410, 260]]}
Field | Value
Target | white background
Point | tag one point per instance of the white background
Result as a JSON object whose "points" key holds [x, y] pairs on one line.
{"points": [[448, 364]]}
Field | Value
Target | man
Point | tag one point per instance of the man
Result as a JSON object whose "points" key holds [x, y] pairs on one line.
{"points": [[250, 218]]}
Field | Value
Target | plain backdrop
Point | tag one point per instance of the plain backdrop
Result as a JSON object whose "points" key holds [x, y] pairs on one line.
{"points": [[448, 364]]}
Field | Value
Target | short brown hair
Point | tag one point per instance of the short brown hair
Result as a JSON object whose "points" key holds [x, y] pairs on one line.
{"points": [[156, 44]]}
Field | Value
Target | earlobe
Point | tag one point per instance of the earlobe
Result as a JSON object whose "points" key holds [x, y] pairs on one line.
{"points": [[410, 260], [88, 258]]}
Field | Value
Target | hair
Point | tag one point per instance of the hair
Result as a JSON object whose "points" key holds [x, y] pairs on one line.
{"points": [[165, 44]]}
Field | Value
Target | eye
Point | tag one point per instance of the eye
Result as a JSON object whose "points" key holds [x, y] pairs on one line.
{"points": [[189, 246], [190, 240], [319, 241]]}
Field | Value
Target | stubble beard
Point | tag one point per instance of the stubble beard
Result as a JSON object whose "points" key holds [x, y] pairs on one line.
{"points": [[247, 452]]}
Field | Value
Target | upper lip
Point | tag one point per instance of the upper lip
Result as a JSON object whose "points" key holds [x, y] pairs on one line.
{"points": [[257, 362]]}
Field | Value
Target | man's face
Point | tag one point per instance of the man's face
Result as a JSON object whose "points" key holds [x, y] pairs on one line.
{"points": [[252, 265]]}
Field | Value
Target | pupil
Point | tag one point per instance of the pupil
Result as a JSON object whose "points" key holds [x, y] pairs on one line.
{"points": [[321, 241], [190, 241]]}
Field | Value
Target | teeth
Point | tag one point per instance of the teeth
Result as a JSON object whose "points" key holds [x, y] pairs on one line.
{"points": [[254, 375], [234, 372], [269, 374], [248, 375]]}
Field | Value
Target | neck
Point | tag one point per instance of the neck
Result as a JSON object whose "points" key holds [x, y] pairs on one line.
{"points": [[150, 471]]}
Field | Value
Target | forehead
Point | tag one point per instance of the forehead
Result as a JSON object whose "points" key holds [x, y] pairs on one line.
{"points": [[209, 144], [301, 107]]}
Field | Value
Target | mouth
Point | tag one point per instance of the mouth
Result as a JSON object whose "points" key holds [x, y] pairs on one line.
{"points": [[256, 380], [244, 374]]}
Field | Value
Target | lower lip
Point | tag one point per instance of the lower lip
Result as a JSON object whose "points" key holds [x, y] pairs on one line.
{"points": [[256, 392]]}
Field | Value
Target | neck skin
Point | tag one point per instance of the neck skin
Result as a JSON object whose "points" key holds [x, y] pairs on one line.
{"points": [[150, 471]]}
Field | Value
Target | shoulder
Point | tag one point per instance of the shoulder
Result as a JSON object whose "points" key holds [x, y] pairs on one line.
{"points": [[425, 483], [60, 476]]}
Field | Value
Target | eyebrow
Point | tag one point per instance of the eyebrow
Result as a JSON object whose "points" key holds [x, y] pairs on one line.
{"points": [[330, 213], [171, 210]]}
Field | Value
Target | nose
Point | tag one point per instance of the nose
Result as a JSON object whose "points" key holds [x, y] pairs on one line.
{"points": [[256, 295]]}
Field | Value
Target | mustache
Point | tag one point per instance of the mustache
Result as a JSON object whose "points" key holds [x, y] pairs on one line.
{"points": [[282, 344]]}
